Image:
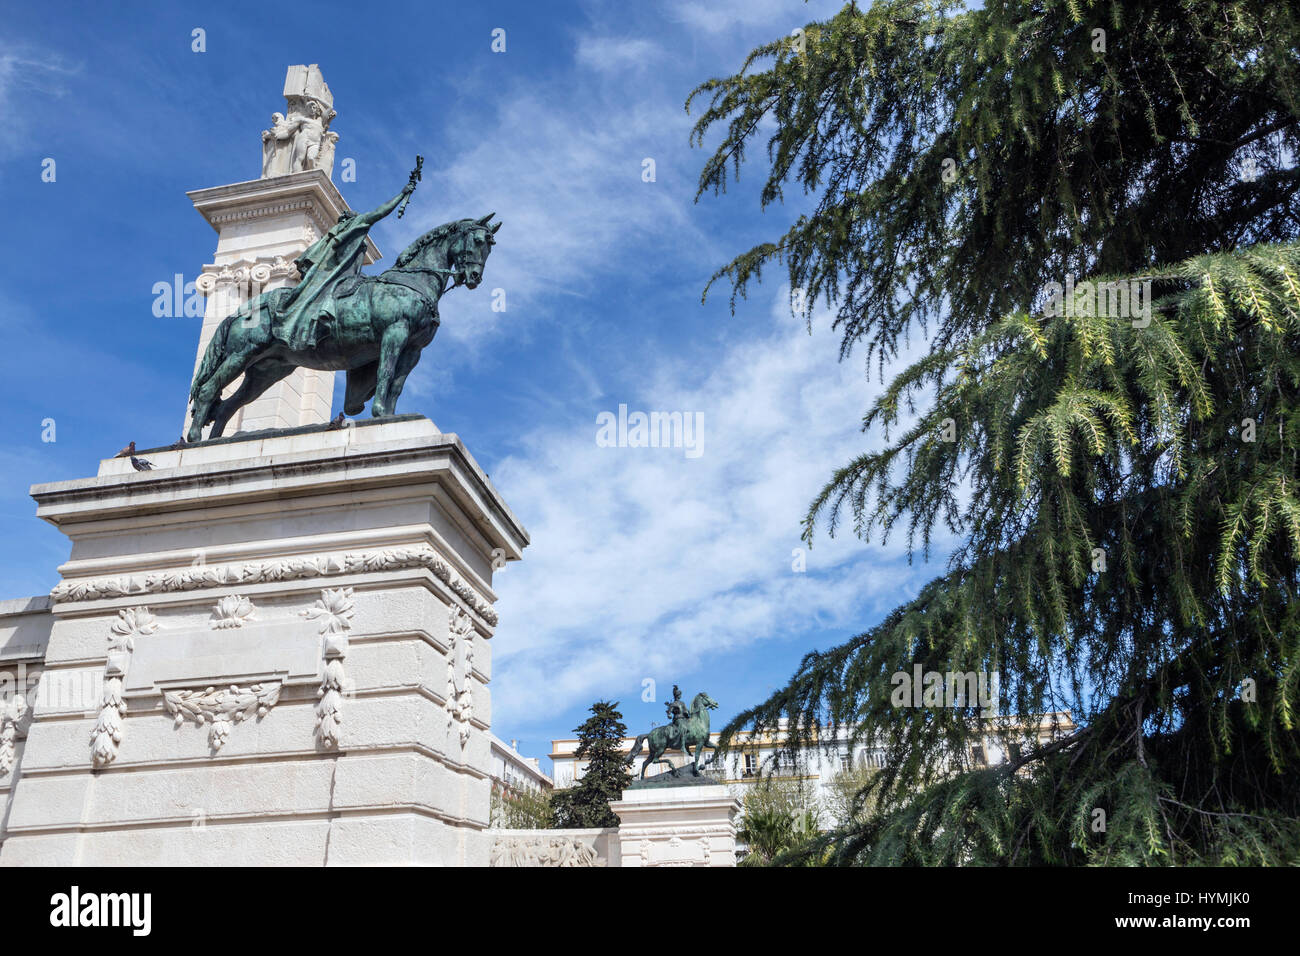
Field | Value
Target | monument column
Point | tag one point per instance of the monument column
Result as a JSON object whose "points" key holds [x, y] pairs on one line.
{"points": [[262, 226]]}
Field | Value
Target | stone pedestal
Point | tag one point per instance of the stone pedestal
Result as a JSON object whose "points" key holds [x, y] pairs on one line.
{"points": [[262, 227], [270, 649], [677, 826]]}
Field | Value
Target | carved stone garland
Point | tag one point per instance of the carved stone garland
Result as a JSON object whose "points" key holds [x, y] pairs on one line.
{"points": [[106, 736], [334, 610], [221, 708], [11, 711], [460, 697]]}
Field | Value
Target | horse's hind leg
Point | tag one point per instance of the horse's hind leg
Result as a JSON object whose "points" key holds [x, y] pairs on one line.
{"points": [[360, 387], [257, 379]]}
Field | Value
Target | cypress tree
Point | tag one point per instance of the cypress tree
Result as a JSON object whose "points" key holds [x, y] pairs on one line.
{"points": [[1122, 481], [586, 803]]}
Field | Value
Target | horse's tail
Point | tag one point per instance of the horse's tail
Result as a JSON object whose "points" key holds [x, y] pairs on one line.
{"points": [[636, 749], [212, 356]]}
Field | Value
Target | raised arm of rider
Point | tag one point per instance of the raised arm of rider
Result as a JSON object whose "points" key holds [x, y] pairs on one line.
{"points": [[373, 217]]}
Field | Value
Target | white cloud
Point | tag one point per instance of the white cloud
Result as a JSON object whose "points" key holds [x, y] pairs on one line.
{"points": [[607, 54], [568, 190], [640, 555], [721, 15], [559, 158], [27, 70]]}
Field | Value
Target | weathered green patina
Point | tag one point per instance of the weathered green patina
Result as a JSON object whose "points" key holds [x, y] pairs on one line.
{"points": [[689, 728], [372, 327]]}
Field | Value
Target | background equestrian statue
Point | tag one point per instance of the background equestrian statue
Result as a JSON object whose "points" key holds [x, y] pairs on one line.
{"points": [[688, 729]]}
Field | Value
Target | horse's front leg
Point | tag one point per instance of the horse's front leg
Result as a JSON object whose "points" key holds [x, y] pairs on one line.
{"points": [[709, 746], [210, 392], [390, 350], [405, 363]]}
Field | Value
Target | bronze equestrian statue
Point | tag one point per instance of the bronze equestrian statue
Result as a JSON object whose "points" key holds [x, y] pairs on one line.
{"points": [[689, 728], [372, 327]]}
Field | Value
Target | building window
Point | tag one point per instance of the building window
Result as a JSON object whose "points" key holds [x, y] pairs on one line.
{"points": [[846, 762], [751, 765], [873, 759], [977, 757]]}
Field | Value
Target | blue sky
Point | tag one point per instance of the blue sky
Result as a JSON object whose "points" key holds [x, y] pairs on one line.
{"points": [[644, 563]]}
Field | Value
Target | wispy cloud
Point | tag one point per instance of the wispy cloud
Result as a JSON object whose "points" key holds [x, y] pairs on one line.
{"points": [[608, 54], [569, 191], [641, 555], [30, 78], [719, 16]]}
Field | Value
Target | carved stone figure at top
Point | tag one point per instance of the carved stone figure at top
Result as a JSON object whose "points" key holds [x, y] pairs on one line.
{"points": [[301, 139], [277, 145]]}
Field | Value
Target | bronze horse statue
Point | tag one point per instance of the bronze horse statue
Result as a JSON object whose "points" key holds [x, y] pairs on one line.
{"points": [[372, 327], [693, 731]]}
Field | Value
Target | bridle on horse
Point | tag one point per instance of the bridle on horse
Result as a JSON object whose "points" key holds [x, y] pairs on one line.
{"points": [[443, 274]]}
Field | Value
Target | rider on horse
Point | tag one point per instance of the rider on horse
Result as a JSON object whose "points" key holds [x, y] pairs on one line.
{"points": [[677, 712], [303, 317], [338, 319]]}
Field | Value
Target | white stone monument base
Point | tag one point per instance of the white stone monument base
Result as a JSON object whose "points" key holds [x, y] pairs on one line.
{"points": [[269, 650], [677, 826]]}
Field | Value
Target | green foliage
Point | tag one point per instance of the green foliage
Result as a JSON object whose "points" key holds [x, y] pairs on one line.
{"points": [[586, 803], [1124, 491], [1065, 160], [521, 808], [847, 797], [778, 818]]}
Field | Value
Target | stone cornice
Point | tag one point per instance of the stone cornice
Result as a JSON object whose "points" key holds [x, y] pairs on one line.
{"points": [[272, 570], [271, 475], [310, 191]]}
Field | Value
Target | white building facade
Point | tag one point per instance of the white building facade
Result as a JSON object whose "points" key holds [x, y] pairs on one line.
{"points": [[511, 770]]}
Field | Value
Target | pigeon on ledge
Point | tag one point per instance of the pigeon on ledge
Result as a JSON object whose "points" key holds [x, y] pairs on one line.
{"points": [[126, 452], [141, 464]]}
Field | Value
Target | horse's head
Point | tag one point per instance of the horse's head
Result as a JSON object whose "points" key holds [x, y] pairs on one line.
{"points": [[457, 248], [469, 250], [703, 700]]}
